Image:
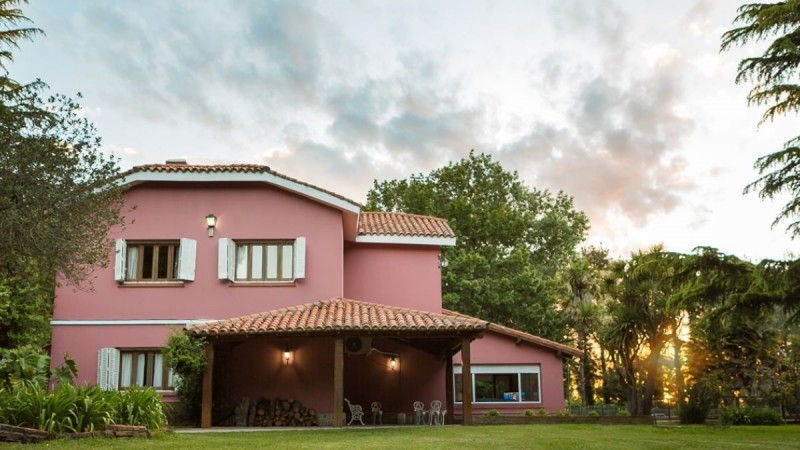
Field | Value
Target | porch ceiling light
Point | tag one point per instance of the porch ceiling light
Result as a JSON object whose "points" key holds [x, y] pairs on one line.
{"points": [[211, 222]]}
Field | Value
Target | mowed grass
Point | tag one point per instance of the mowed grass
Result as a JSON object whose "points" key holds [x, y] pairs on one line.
{"points": [[500, 437]]}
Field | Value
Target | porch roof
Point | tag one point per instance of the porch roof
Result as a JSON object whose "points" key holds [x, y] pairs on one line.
{"points": [[338, 315], [523, 336]]}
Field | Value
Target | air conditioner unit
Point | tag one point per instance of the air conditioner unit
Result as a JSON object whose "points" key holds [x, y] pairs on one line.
{"points": [[355, 345]]}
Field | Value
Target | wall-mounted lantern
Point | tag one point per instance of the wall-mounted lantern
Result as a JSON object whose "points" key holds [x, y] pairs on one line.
{"points": [[287, 355], [211, 222]]}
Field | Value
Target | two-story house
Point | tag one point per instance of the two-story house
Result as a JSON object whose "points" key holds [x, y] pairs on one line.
{"points": [[299, 294]]}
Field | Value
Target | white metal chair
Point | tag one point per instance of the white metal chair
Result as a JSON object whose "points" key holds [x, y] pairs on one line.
{"points": [[356, 412], [436, 413], [377, 413], [419, 412]]}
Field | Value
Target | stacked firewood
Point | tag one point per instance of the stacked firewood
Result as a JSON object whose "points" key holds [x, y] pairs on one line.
{"points": [[280, 412]]}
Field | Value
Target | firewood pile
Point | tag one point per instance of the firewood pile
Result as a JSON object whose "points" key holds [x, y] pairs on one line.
{"points": [[276, 412]]}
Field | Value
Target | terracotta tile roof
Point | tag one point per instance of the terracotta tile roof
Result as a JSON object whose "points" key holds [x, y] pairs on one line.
{"points": [[402, 224], [547, 343], [181, 166], [338, 314]]}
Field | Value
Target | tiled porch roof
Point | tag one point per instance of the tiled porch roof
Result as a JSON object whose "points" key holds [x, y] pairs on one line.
{"points": [[527, 337], [401, 224], [339, 315]]}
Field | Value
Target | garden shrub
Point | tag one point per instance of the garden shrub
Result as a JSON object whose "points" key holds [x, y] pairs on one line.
{"points": [[65, 410], [139, 406], [623, 412], [695, 408], [528, 413], [491, 413], [746, 415], [594, 413], [764, 416], [185, 354], [543, 412]]}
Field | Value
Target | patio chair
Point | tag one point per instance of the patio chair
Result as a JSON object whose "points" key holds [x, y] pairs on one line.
{"points": [[436, 413], [419, 412], [377, 413], [356, 412]]}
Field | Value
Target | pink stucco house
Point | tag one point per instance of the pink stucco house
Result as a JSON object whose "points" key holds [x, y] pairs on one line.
{"points": [[299, 294]]}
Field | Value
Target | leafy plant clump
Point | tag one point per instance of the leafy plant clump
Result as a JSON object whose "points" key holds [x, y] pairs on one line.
{"points": [[185, 354], [622, 412], [491, 413], [593, 413], [543, 412], [140, 406], [67, 409], [746, 415], [695, 408], [528, 413]]}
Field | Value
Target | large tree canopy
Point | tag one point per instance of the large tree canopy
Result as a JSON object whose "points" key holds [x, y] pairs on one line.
{"points": [[512, 240], [774, 75], [57, 196]]}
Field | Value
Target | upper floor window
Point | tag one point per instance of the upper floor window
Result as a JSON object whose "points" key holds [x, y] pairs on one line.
{"points": [[155, 260], [152, 261], [256, 261], [262, 261]]}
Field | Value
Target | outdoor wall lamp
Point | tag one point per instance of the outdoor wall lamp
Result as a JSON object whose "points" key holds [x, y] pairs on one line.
{"points": [[286, 353], [211, 222], [393, 363]]}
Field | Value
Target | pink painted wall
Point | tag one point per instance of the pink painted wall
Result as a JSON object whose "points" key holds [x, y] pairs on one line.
{"points": [[244, 212], [252, 211], [498, 349], [397, 275], [82, 343]]}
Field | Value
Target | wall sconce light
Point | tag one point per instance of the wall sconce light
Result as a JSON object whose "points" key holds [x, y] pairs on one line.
{"points": [[211, 222], [393, 363], [286, 354]]}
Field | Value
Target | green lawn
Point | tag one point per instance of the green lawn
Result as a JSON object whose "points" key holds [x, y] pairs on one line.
{"points": [[499, 437]]}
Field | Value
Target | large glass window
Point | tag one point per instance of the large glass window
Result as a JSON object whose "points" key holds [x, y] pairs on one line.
{"points": [[500, 383], [259, 261]]}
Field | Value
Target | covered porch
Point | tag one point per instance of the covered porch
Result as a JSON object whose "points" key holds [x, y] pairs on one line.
{"points": [[323, 352]]}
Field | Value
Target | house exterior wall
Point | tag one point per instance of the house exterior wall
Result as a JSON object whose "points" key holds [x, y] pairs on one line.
{"points": [[397, 275], [500, 350], [131, 316], [170, 211]]}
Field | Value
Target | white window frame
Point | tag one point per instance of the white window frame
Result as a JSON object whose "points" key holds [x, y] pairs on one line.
{"points": [[496, 369], [187, 256], [226, 260], [110, 364]]}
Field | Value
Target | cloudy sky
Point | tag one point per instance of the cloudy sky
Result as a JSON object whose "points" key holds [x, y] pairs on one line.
{"points": [[627, 106]]}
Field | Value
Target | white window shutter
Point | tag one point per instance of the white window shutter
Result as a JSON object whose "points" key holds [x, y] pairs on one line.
{"points": [[119, 260], [300, 258], [226, 259], [108, 369], [186, 259]]}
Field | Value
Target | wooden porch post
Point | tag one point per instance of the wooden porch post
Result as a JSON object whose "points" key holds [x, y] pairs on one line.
{"points": [[338, 382], [208, 382], [448, 383], [466, 381]]}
